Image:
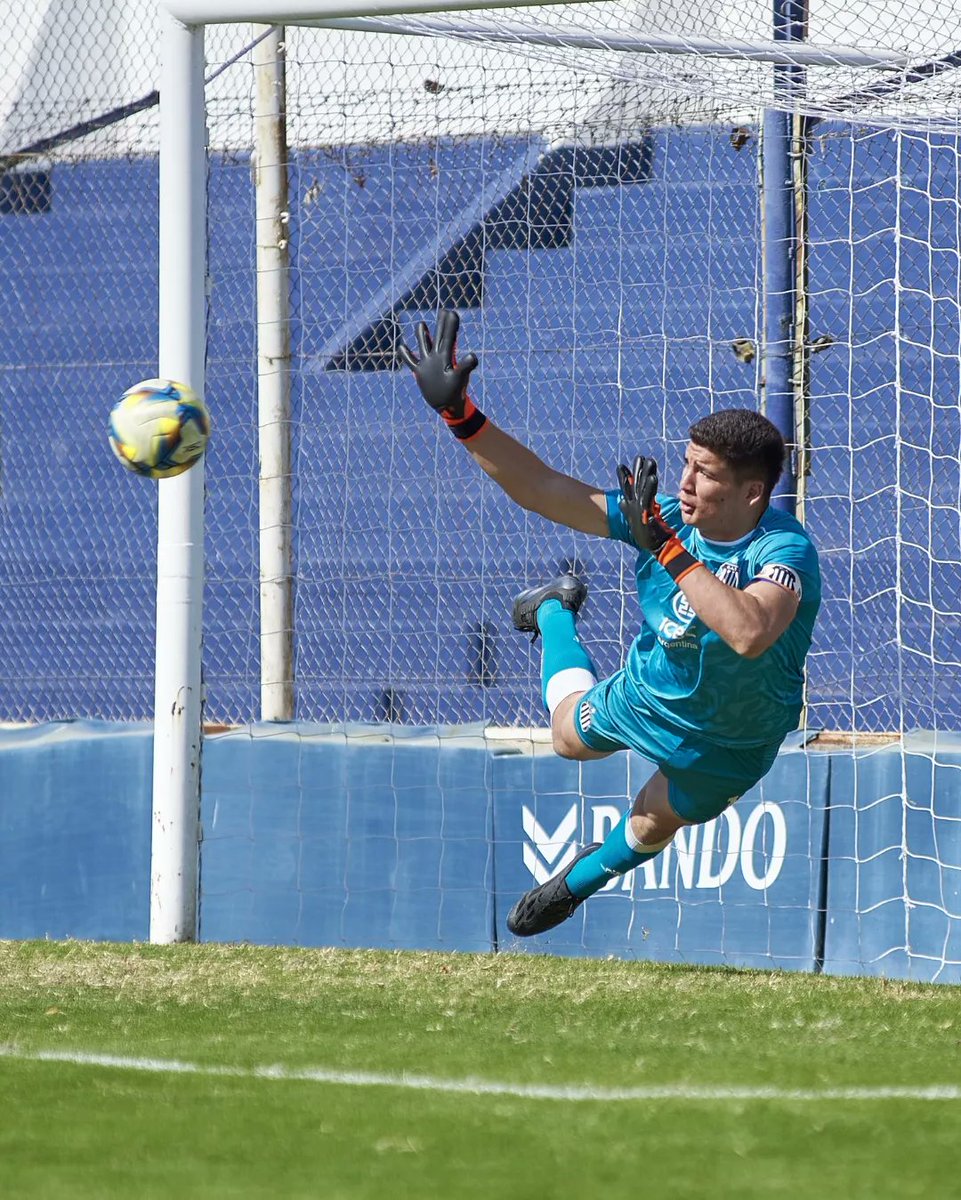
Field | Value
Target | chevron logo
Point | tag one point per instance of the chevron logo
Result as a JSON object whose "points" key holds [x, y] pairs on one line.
{"points": [[546, 854]]}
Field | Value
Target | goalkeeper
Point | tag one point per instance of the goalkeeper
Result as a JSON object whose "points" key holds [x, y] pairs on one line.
{"points": [[729, 589]]}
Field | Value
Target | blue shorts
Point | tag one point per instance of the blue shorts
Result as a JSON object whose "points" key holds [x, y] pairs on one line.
{"points": [[704, 777]]}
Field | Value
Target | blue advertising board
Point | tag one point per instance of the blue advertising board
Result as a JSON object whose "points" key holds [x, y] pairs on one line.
{"points": [[372, 836], [377, 839], [75, 831], [741, 890]]}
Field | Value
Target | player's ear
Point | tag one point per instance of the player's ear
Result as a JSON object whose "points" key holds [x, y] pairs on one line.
{"points": [[755, 492]]}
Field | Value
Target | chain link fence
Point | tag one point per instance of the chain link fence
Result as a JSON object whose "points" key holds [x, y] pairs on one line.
{"points": [[594, 215]]}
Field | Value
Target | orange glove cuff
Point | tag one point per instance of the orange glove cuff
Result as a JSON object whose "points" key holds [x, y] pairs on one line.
{"points": [[469, 424], [676, 560]]}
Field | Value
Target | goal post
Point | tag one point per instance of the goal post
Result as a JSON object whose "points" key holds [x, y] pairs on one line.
{"points": [[180, 538], [656, 328], [272, 220]]}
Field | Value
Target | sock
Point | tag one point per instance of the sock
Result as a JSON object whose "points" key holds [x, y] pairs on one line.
{"points": [[620, 853], [566, 666]]}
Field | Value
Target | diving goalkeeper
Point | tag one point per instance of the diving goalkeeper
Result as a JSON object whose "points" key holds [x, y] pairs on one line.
{"points": [[729, 589]]}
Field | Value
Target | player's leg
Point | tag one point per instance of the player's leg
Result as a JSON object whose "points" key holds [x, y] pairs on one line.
{"points": [[566, 737], [641, 834], [567, 670], [580, 731], [698, 782]]}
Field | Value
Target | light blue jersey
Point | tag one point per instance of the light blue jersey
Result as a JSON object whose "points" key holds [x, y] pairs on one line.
{"points": [[688, 675]]}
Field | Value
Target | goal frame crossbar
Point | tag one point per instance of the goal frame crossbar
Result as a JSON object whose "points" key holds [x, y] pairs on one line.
{"points": [[360, 16], [783, 53]]}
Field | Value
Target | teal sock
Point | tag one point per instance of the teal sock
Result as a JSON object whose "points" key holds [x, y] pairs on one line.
{"points": [[562, 652], [619, 854]]}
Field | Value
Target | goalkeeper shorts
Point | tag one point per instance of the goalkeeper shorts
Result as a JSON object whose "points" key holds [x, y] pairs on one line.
{"points": [[704, 777]]}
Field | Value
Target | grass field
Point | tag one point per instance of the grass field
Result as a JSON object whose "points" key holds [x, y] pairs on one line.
{"points": [[140, 1071]]}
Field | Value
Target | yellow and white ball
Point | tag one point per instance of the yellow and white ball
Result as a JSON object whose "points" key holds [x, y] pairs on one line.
{"points": [[159, 428]]}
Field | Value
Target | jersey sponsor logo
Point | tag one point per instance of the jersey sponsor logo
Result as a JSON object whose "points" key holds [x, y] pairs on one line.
{"points": [[784, 577], [673, 635], [749, 847], [682, 608], [676, 633]]}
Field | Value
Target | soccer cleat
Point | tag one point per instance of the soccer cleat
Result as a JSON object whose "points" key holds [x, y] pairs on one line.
{"points": [[571, 591], [549, 904]]}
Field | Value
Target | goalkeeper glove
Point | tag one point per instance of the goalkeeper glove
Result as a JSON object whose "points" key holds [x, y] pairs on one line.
{"points": [[650, 531], [442, 379]]}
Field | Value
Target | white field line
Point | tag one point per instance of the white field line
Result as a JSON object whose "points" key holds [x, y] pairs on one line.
{"points": [[481, 1087]]}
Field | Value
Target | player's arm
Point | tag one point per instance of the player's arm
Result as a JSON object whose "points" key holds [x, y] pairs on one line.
{"points": [[532, 484], [750, 621], [516, 469]]}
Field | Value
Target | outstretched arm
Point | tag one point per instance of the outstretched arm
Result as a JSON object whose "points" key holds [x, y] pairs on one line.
{"points": [[532, 484], [524, 477]]}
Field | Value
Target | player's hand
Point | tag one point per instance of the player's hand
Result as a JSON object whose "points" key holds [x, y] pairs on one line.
{"points": [[440, 377], [639, 505], [651, 532]]}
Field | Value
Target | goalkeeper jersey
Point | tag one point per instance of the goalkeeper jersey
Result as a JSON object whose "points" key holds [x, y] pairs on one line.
{"points": [[688, 674]]}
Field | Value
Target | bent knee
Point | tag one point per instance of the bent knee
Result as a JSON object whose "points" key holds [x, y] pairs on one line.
{"points": [[653, 819], [567, 744], [565, 739]]}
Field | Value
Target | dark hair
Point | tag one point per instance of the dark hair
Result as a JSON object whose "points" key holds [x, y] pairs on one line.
{"points": [[750, 444]]}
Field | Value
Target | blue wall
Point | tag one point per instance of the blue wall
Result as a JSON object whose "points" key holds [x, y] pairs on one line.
{"points": [[370, 837], [319, 839], [610, 342], [75, 831]]}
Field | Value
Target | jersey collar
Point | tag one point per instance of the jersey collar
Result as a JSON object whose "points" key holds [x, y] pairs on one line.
{"points": [[724, 547]]}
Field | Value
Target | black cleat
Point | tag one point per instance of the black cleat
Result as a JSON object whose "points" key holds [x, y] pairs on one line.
{"points": [[571, 591], [549, 904]]}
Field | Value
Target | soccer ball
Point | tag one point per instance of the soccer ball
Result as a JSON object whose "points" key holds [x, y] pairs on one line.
{"points": [[159, 428]]}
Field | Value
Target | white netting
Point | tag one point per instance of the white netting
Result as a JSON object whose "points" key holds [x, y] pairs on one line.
{"points": [[873, 61], [663, 63]]}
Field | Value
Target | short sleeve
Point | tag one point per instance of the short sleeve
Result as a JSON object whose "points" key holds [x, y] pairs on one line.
{"points": [[788, 560]]}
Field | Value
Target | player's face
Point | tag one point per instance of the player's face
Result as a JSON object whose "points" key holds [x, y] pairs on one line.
{"points": [[712, 498]]}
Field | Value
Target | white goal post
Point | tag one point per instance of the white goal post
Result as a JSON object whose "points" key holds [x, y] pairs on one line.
{"points": [[178, 680], [180, 537]]}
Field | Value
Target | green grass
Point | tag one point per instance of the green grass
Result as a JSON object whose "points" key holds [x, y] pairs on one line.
{"points": [[72, 1130]]}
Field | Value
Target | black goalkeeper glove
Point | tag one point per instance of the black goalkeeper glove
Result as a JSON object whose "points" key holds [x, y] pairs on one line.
{"points": [[650, 531], [442, 379]]}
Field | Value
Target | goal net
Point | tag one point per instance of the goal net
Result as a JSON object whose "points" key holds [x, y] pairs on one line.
{"points": [[583, 183], [594, 215]]}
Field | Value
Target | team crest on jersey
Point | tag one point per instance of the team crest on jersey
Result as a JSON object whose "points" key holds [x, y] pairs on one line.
{"points": [[729, 573]]}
